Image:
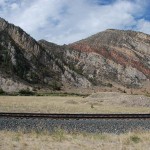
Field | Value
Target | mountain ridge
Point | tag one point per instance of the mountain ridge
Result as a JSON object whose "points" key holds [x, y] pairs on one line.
{"points": [[121, 48], [17, 42], [102, 60]]}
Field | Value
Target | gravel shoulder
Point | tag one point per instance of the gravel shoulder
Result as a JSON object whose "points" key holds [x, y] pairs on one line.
{"points": [[82, 125]]}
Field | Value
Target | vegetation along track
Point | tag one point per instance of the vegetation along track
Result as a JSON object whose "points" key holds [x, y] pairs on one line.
{"points": [[74, 116]]}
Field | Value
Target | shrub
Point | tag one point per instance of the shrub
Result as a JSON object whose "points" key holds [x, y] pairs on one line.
{"points": [[56, 86], [2, 92], [26, 92], [124, 91], [93, 81], [135, 139], [92, 106], [109, 85], [147, 94]]}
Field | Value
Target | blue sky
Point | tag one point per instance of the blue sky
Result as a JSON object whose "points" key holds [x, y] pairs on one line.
{"points": [[66, 21]]}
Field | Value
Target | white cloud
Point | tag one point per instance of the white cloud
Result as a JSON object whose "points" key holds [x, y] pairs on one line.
{"points": [[2, 2], [65, 21], [143, 26], [14, 6]]}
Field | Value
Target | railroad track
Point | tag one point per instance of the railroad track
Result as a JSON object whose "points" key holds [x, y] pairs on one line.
{"points": [[74, 116]]}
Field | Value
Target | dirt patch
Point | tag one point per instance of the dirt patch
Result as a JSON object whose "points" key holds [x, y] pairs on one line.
{"points": [[71, 102]]}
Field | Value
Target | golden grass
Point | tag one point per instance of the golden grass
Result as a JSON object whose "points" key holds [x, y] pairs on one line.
{"points": [[61, 140], [55, 104]]}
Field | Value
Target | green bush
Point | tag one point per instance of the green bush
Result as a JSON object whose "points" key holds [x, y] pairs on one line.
{"points": [[93, 81], [26, 92], [124, 91], [56, 86], [2, 92], [135, 139], [147, 94], [109, 85]]}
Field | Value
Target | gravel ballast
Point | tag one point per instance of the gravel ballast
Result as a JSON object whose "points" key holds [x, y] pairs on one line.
{"points": [[90, 125]]}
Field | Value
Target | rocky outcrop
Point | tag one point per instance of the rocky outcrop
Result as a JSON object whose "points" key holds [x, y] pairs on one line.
{"points": [[22, 56], [116, 55], [10, 84], [65, 65]]}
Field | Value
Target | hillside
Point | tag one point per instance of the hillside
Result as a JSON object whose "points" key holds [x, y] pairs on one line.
{"points": [[115, 56], [23, 60], [107, 59]]}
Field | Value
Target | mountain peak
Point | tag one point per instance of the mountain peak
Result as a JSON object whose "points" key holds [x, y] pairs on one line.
{"points": [[111, 30], [129, 49], [3, 24], [42, 41], [2, 20]]}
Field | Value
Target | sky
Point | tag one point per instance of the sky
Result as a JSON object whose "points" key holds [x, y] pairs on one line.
{"points": [[67, 21]]}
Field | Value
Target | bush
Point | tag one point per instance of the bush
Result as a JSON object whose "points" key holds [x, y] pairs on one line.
{"points": [[2, 92], [147, 94], [26, 92], [109, 85], [124, 91], [93, 81], [56, 86], [135, 139]]}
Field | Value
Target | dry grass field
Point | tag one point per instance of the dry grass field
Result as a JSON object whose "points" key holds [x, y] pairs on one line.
{"points": [[57, 104], [60, 140]]}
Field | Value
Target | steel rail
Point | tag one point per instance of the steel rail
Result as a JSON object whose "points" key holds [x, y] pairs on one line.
{"points": [[74, 116]]}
